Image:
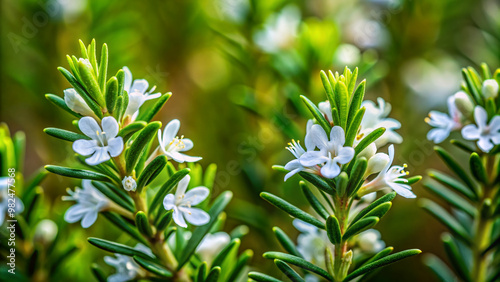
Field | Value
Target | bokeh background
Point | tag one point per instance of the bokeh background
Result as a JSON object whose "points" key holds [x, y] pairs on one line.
{"points": [[236, 69]]}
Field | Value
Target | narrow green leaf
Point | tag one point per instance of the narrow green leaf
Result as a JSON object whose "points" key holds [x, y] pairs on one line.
{"points": [[317, 114], [129, 130], [58, 101], [353, 126], [445, 218], [315, 203], [259, 277], [342, 181], [142, 223], [125, 226], [137, 147], [414, 179], [352, 81], [90, 82], [150, 113], [111, 94], [455, 167], [453, 184], [328, 89], [103, 67], [233, 245], [357, 176], [164, 221], [384, 199], [382, 262], [153, 267], [291, 209], [77, 173], [450, 197], [114, 247], [98, 273], [368, 139], [83, 49], [167, 187], [385, 252], [439, 268], [318, 182], [240, 265], [113, 196], [462, 146], [214, 274], [285, 241], [333, 230], [288, 271], [300, 262], [380, 210], [360, 226], [64, 134], [201, 272], [151, 172], [477, 168], [472, 88], [93, 56], [455, 257], [341, 92]]}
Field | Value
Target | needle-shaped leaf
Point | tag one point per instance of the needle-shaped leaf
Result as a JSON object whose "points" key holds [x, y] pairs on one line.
{"points": [[462, 145], [125, 226], [164, 221], [58, 101], [300, 262], [214, 274], [77, 173], [353, 126], [201, 272], [285, 241], [113, 196], [150, 113], [381, 262], [240, 265], [455, 257], [471, 87], [291, 209], [341, 93], [439, 268], [360, 226], [288, 271], [342, 180], [129, 130], [357, 176], [328, 89], [153, 267], [90, 83], [142, 223], [114, 247], [477, 168], [317, 114], [262, 277], [450, 197], [315, 203], [317, 181], [385, 252], [111, 94], [384, 199], [333, 230], [103, 66], [151, 172], [98, 273], [453, 184], [223, 254], [140, 142], [64, 134], [455, 167]]}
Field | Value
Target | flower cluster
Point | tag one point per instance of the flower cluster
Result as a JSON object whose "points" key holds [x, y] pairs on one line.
{"points": [[471, 110]]}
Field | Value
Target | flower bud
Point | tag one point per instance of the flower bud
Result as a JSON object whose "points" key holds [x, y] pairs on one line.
{"points": [[76, 103], [376, 163], [463, 103], [45, 232], [344, 265], [368, 152], [490, 88], [129, 183]]}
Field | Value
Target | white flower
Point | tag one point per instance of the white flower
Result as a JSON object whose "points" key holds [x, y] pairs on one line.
{"points": [[4, 200], [376, 117], [390, 177], [488, 135], [104, 141], [311, 243], [212, 244], [331, 154], [171, 145], [76, 103], [326, 109], [137, 93], [369, 241], [347, 55], [89, 202], [129, 183], [45, 231], [444, 123], [183, 201], [126, 268], [490, 88], [280, 30], [294, 166]]}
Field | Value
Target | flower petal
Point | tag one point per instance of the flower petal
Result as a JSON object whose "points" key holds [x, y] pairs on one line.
{"points": [[178, 218], [170, 131], [169, 202], [471, 132], [100, 155], [480, 116], [188, 144], [292, 173], [345, 155], [196, 216], [115, 146], [110, 127], [438, 135], [317, 136], [495, 125], [196, 195], [402, 190], [139, 85], [182, 186], [485, 144], [89, 218], [337, 136], [74, 213], [89, 127], [85, 147], [313, 158], [127, 82], [330, 170]]}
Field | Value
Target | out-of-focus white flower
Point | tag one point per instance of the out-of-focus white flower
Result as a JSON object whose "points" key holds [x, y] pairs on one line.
{"points": [[182, 204], [45, 231], [126, 268], [89, 202], [312, 242], [376, 117], [280, 30], [488, 135], [369, 241], [104, 142], [76, 103], [172, 146], [347, 55], [332, 153], [212, 244], [129, 183], [390, 177], [294, 166], [137, 94], [490, 88], [4, 200], [444, 123], [234, 10]]}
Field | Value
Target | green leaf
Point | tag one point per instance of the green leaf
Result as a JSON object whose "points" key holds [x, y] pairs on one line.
{"points": [[382, 262], [113, 196], [455, 167], [342, 181], [129, 130], [328, 89], [445, 218], [151, 172], [103, 67], [262, 277], [164, 221], [318, 182], [317, 114], [477, 168], [300, 262], [357, 176], [439, 268], [98, 273], [153, 267], [125, 226], [343, 97], [472, 88], [201, 272], [224, 253], [83, 49], [142, 223], [58, 101], [353, 127], [214, 274], [453, 184], [90, 83], [315, 203], [414, 179], [368, 139], [137, 147], [455, 257], [385, 252], [450, 197], [150, 113], [288, 271], [240, 265], [462, 146], [111, 94], [380, 210], [64, 134], [77, 173], [333, 230], [167, 187], [285, 241], [360, 226], [291, 209], [114, 247], [384, 199], [93, 56], [218, 206]]}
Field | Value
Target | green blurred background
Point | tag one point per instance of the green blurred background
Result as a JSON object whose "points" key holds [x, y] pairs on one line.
{"points": [[236, 82]]}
